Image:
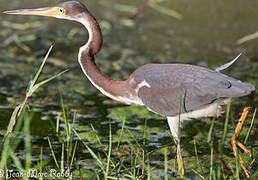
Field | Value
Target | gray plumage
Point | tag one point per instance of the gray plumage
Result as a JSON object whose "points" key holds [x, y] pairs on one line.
{"points": [[197, 86]]}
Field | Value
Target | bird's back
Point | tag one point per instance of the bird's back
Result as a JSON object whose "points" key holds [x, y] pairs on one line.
{"points": [[197, 86]]}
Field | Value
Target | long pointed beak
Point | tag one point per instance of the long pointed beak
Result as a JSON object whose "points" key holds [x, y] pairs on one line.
{"points": [[47, 11]]}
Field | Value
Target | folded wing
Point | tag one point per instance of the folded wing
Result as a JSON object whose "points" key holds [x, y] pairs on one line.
{"points": [[193, 86]]}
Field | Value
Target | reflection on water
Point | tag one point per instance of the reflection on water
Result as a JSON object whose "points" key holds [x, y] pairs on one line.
{"points": [[206, 35]]}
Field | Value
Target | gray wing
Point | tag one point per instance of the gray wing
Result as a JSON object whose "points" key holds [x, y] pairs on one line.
{"points": [[196, 86]]}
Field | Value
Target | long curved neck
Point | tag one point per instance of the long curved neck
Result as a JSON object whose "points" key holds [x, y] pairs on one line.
{"points": [[95, 40], [116, 90]]}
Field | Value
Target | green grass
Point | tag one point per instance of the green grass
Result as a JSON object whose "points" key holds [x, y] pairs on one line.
{"points": [[65, 146], [19, 125]]}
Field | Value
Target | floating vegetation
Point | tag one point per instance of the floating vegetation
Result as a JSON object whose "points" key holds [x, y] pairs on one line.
{"points": [[82, 134], [132, 11]]}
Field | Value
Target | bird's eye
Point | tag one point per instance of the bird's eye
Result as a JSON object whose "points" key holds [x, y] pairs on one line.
{"points": [[61, 10]]}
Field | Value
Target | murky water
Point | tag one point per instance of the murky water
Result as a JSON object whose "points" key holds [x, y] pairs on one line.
{"points": [[206, 35]]}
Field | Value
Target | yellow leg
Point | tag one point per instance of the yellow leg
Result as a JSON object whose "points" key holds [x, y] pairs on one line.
{"points": [[174, 126], [244, 148], [180, 163], [238, 129]]}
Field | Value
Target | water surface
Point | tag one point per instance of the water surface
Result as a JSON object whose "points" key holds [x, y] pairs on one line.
{"points": [[206, 35]]}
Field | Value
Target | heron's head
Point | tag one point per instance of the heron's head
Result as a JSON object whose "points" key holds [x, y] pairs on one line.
{"points": [[70, 10]]}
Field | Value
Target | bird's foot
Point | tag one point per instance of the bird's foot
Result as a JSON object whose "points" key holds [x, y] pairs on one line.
{"points": [[245, 149], [239, 157], [238, 129]]}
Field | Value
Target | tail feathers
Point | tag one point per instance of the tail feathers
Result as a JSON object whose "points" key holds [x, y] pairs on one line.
{"points": [[225, 66]]}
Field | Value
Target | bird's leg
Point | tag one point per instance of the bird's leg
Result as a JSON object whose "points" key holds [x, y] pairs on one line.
{"points": [[243, 148], [238, 129], [174, 126], [180, 162]]}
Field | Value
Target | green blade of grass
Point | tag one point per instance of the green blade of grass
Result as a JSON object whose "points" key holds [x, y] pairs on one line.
{"points": [[116, 178], [99, 141], [11, 122], [96, 135], [131, 134], [73, 155], [145, 132], [250, 128], [41, 162], [196, 172], [109, 151], [197, 158], [166, 163], [17, 162], [144, 144], [213, 121], [166, 11], [120, 136], [211, 162], [225, 128], [132, 163], [7, 146], [179, 118], [35, 87], [148, 168], [237, 167], [26, 131], [67, 130], [4, 153], [67, 126], [91, 152], [71, 132], [52, 151], [62, 157], [33, 82], [121, 162], [116, 166], [210, 130], [57, 123]]}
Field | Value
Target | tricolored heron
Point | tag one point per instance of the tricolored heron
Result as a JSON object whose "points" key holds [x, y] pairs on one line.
{"points": [[177, 91]]}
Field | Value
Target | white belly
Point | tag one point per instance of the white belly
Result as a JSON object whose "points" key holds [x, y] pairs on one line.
{"points": [[211, 110]]}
